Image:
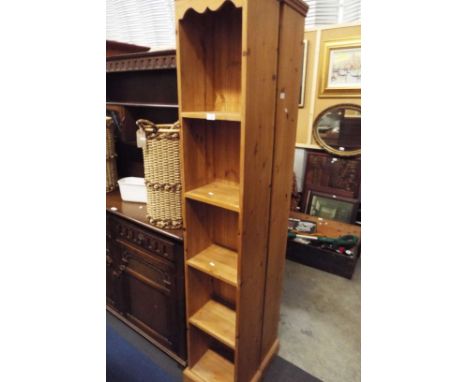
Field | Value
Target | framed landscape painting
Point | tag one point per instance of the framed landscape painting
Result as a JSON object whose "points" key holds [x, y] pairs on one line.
{"points": [[341, 69]]}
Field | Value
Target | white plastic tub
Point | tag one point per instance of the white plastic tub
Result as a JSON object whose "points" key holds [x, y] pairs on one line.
{"points": [[133, 189]]}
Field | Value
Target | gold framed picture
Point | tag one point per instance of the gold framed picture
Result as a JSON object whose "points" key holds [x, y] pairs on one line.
{"points": [[340, 63]]}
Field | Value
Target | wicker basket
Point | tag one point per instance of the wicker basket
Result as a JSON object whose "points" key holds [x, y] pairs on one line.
{"points": [[111, 165], [162, 174]]}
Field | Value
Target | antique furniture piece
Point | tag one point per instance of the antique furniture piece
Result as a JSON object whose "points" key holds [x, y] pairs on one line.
{"points": [[111, 165], [332, 186], [328, 260], [145, 267], [140, 85], [338, 130], [145, 276], [238, 68]]}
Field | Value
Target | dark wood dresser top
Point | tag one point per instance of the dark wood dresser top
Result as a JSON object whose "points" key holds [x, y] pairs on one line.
{"points": [[327, 227], [136, 212]]}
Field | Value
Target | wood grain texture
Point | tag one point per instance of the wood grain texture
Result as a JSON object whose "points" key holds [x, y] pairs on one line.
{"points": [[212, 115], [218, 193], [210, 55], [218, 262], [202, 6], [213, 367], [227, 65], [259, 48], [266, 361], [217, 320], [289, 63], [329, 228], [211, 151]]}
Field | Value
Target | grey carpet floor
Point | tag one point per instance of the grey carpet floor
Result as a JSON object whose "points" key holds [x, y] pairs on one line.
{"points": [[320, 324]]}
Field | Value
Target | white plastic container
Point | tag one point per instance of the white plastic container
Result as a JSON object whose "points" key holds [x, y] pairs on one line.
{"points": [[133, 189]]}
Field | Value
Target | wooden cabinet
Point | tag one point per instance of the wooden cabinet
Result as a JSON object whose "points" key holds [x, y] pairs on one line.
{"points": [[238, 78], [144, 264], [320, 257], [328, 174], [333, 183], [139, 86], [145, 280]]}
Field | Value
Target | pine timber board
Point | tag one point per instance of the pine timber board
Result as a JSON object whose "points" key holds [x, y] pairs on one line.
{"points": [[202, 6], [289, 72], [218, 321], [218, 262], [211, 153], [212, 115], [211, 367], [218, 193], [210, 59], [259, 60], [228, 64]]}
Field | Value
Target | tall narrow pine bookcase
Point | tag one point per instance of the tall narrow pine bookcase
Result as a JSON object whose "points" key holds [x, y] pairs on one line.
{"points": [[239, 67]]}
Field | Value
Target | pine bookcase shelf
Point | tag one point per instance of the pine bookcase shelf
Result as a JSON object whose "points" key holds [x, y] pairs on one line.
{"points": [[239, 65], [218, 262], [218, 193], [218, 321], [212, 367], [212, 115]]}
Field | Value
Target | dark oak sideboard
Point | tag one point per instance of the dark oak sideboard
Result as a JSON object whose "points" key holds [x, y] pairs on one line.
{"points": [[145, 276]]}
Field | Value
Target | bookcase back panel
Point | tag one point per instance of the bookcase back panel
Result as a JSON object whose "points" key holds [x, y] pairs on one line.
{"points": [[204, 288], [214, 368], [210, 53], [210, 225], [211, 152]]}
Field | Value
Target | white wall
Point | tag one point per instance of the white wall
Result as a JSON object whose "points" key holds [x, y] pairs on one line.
{"points": [[299, 167]]}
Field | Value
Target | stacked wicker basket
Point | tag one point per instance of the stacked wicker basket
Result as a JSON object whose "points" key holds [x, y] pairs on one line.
{"points": [[111, 165], [162, 174]]}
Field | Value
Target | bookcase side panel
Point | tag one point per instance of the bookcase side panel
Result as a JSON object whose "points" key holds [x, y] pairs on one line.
{"points": [[259, 56], [289, 72]]}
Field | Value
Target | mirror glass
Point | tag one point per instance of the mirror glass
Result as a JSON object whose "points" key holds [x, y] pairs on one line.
{"points": [[338, 129]]}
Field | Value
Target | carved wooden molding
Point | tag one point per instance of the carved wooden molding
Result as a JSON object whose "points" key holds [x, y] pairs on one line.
{"points": [[149, 242], [182, 6], [142, 61]]}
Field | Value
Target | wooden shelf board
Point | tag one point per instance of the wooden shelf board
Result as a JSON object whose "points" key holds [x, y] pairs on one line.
{"points": [[213, 368], [218, 193], [212, 115], [143, 104], [218, 262], [218, 321]]}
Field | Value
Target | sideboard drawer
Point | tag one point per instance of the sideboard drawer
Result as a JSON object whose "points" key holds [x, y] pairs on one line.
{"points": [[150, 242], [154, 271]]}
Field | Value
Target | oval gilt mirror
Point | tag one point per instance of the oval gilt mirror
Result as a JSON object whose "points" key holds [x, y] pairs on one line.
{"points": [[338, 130]]}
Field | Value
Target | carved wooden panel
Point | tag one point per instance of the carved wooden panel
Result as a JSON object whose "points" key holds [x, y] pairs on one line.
{"points": [[148, 287], [144, 62], [145, 283], [332, 175], [141, 238]]}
